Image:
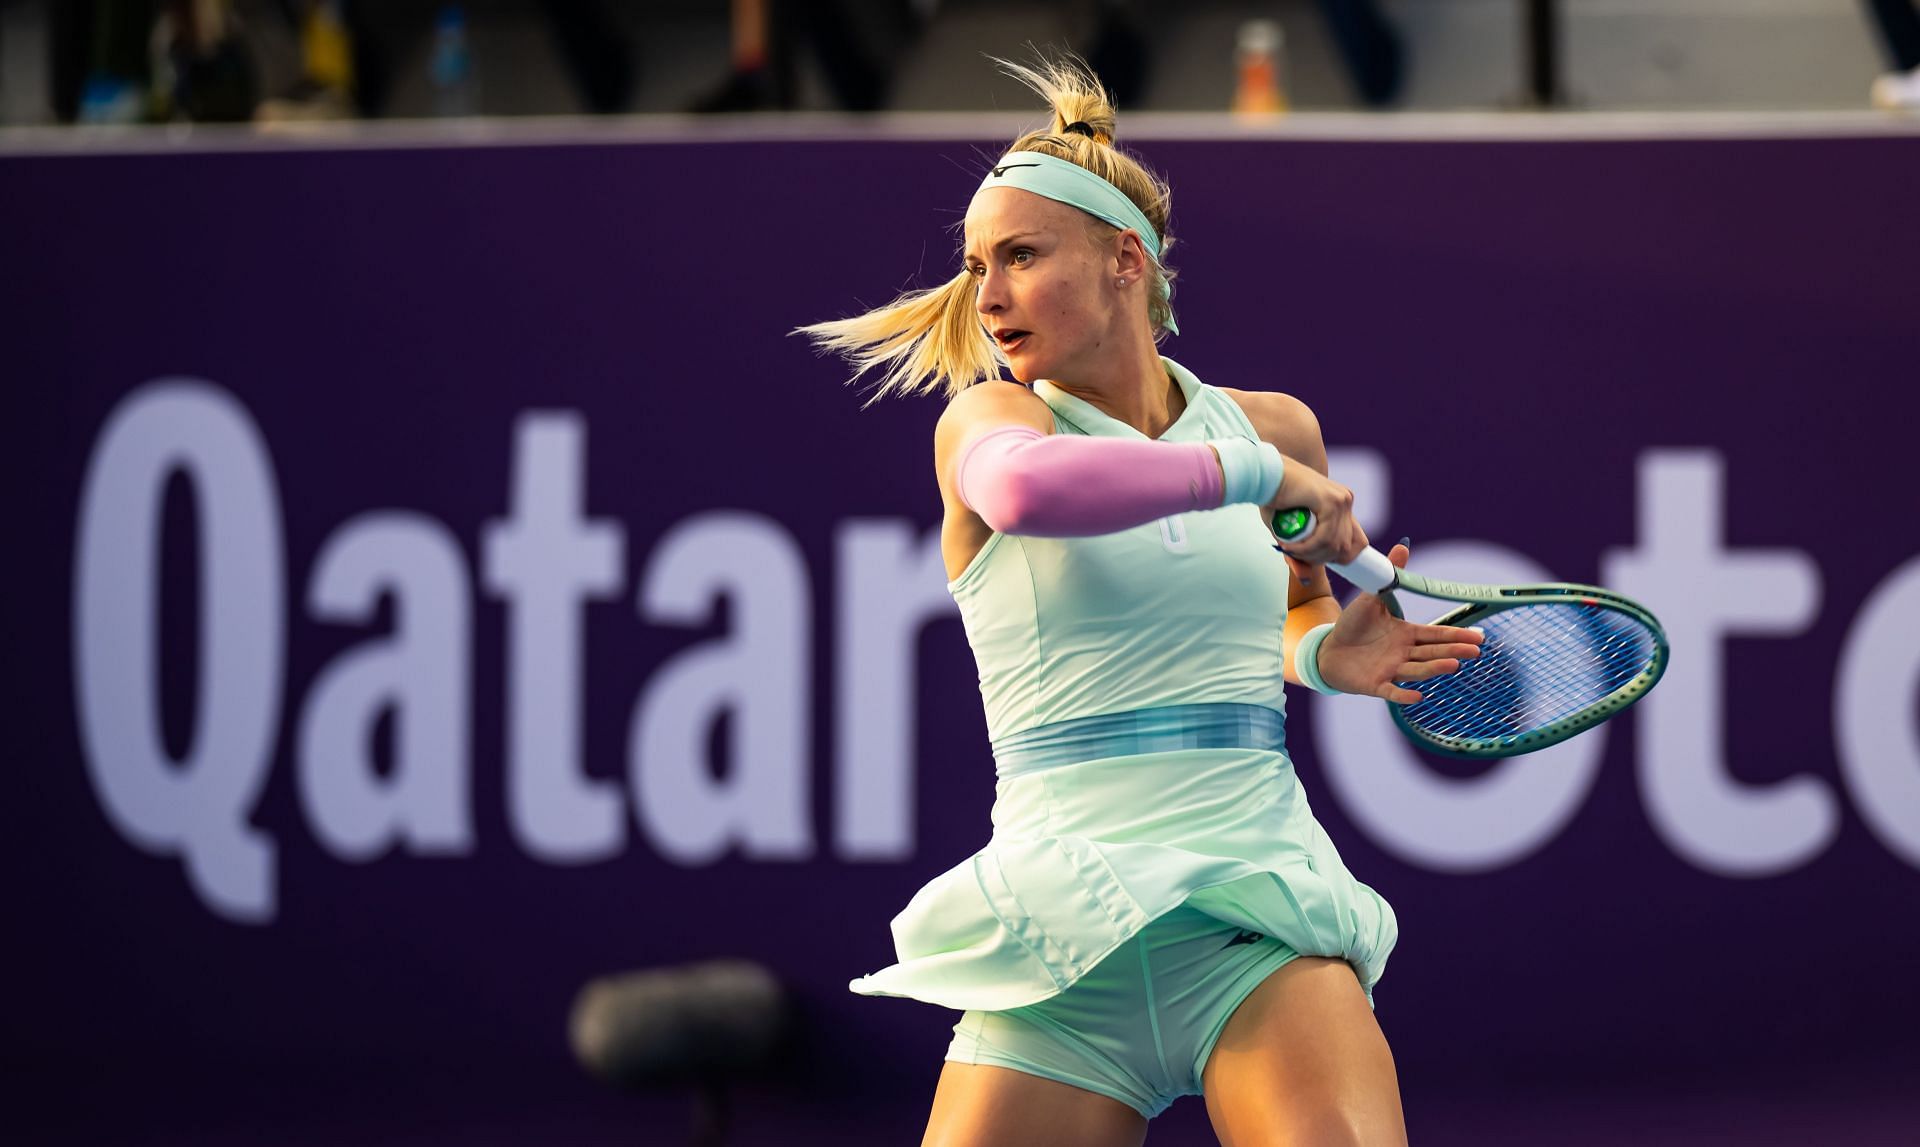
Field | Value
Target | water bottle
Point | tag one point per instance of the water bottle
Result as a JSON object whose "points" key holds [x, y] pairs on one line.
{"points": [[455, 90], [1261, 90]]}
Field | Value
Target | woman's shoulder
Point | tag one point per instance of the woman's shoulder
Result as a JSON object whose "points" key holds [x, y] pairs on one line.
{"points": [[1281, 419], [987, 403], [994, 394]]}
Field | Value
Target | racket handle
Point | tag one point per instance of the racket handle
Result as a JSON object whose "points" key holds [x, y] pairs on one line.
{"points": [[1370, 570]]}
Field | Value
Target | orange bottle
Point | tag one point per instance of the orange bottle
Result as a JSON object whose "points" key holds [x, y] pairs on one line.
{"points": [[1261, 88]]}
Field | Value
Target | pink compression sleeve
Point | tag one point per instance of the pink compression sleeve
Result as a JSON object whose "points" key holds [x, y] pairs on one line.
{"points": [[1021, 481]]}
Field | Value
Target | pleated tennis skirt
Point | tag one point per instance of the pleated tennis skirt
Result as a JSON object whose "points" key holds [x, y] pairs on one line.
{"points": [[1102, 825]]}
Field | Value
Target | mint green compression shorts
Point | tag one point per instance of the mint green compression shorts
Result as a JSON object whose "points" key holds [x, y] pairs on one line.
{"points": [[1140, 1025]]}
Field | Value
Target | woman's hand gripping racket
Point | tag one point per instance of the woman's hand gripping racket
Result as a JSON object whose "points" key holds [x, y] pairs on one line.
{"points": [[1558, 658]]}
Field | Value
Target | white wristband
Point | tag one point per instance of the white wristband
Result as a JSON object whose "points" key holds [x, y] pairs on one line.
{"points": [[1306, 659], [1252, 469]]}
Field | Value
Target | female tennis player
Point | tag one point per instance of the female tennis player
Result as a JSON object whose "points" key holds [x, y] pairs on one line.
{"points": [[1157, 913]]}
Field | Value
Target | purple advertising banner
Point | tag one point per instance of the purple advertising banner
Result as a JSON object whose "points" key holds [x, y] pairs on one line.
{"points": [[437, 577]]}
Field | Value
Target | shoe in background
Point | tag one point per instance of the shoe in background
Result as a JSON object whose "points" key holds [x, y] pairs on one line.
{"points": [[116, 79], [1896, 91]]}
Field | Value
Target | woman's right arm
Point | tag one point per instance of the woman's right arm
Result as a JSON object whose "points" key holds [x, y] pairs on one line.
{"points": [[998, 458]]}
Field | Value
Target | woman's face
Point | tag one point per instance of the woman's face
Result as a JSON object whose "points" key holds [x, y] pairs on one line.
{"points": [[1041, 284]]}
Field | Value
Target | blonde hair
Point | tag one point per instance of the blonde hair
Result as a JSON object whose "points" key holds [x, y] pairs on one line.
{"points": [[933, 339]]}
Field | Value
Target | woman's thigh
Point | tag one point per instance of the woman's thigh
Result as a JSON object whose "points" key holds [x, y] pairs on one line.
{"points": [[1304, 1061], [977, 1105]]}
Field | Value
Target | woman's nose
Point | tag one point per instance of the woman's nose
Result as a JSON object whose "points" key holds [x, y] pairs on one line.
{"points": [[991, 294]]}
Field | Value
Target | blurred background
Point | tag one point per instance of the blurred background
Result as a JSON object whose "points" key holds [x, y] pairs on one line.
{"points": [[223, 60], [473, 677]]}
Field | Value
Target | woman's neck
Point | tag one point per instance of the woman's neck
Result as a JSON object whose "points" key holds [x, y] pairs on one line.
{"points": [[1137, 391]]}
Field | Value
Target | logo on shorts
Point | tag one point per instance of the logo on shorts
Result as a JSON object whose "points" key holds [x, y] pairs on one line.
{"points": [[1242, 938]]}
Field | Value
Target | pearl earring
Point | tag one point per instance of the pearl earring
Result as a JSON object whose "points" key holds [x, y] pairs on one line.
{"points": [[1119, 282]]}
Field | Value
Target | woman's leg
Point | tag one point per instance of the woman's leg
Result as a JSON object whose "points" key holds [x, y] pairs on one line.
{"points": [[977, 1105], [1304, 1061]]}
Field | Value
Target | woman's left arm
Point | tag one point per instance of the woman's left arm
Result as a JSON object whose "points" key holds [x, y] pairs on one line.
{"points": [[1369, 650], [1290, 425]]}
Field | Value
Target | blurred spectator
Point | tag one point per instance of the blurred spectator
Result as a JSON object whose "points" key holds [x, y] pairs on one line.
{"points": [[769, 36], [1899, 23], [345, 56], [201, 69], [1118, 48], [151, 61], [342, 73]]}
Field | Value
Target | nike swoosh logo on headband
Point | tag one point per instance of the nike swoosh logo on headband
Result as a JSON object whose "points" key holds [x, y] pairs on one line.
{"points": [[999, 172]]}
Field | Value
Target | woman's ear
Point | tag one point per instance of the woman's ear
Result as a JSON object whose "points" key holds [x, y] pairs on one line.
{"points": [[1130, 258]]}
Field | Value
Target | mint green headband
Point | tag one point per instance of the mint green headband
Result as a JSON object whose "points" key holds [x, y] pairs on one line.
{"points": [[1057, 179]]}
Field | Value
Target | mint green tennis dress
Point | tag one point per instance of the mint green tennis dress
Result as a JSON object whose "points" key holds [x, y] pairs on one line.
{"points": [[1134, 699]]}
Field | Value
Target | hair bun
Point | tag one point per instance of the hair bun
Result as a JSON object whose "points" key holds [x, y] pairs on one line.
{"points": [[1081, 127]]}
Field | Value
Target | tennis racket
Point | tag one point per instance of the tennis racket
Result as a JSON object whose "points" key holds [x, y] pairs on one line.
{"points": [[1559, 658]]}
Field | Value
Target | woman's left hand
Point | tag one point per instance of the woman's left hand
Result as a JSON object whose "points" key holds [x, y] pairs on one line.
{"points": [[1370, 650]]}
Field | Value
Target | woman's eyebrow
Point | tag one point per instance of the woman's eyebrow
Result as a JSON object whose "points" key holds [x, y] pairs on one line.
{"points": [[1013, 238]]}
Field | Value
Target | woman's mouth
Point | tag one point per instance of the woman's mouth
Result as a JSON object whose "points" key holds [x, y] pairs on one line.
{"points": [[1011, 340]]}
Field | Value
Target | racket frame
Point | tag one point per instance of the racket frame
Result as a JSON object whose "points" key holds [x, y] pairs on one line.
{"points": [[1481, 601], [1372, 572]]}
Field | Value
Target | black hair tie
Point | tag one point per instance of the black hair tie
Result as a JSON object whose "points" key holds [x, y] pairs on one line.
{"points": [[1081, 127]]}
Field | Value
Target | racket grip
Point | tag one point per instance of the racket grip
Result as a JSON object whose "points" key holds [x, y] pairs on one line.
{"points": [[1370, 571]]}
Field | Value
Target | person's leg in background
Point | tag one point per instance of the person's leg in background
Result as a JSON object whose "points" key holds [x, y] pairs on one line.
{"points": [[853, 72], [1370, 47], [1899, 24], [751, 83], [768, 36], [1119, 49], [100, 62], [597, 50]]}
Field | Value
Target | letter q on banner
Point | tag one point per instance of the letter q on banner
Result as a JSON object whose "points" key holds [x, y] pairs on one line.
{"points": [[197, 807]]}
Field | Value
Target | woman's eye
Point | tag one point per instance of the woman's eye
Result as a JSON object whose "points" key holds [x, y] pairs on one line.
{"points": [[1019, 256]]}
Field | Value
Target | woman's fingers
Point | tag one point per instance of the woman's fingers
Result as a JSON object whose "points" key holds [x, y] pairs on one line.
{"points": [[1356, 541], [1458, 650], [1446, 635], [1336, 537], [1425, 670]]}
